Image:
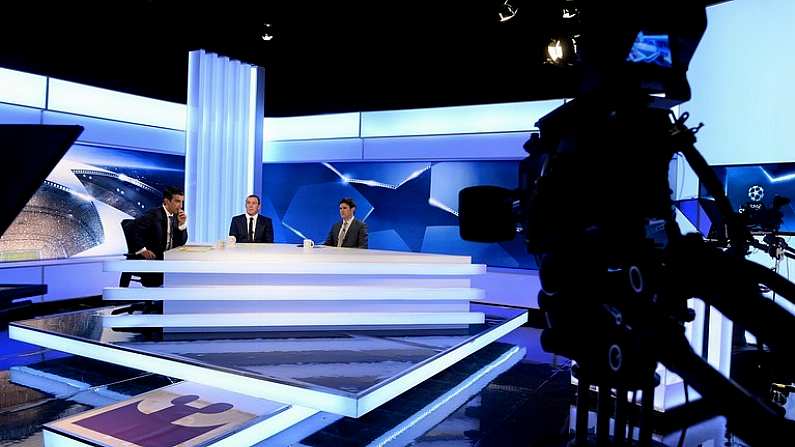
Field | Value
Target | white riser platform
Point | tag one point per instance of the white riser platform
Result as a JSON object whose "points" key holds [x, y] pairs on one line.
{"points": [[293, 293], [281, 285], [282, 319], [298, 268]]}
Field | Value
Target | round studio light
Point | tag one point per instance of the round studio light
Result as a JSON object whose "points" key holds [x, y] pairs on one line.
{"points": [[555, 51]]}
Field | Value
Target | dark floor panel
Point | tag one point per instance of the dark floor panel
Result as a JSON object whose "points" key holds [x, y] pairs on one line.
{"points": [[23, 428], [480, 420]]}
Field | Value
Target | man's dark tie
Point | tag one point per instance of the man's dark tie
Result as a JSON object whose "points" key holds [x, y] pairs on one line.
{"points": [[170, 237], [251, 229]]}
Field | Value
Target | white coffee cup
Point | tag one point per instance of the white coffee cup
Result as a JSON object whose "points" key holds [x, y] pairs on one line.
{"points": [[309, 243], [230, 241]]}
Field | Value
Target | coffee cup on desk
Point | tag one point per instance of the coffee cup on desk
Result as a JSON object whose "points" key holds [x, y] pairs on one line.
{"points": [[230, 241], [309, 243]]}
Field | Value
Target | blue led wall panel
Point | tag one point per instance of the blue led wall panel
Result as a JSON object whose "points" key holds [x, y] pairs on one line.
{"points": [[19, 115], [408, 206], [312, 127], [741, 77], [335, 149], [506, 145], [25, 89], [70, 97], [78, 209], [508, 117], [120, 134], [223, 151]]}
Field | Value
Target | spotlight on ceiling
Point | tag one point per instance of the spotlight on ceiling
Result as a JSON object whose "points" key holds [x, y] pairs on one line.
{"points": [[569, 10], [555, 51], [507, 12], [267, 32], [562, 51]]}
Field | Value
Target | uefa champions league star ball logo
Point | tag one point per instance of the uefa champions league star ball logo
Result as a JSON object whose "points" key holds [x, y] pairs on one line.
{"points": [[756, 193]]}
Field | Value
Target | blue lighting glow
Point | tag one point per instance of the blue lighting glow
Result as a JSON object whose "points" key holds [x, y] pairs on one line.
{"points": [[651, 49], [82, 99], [294, 230], [782, 178], [21, 88], [346, 178], [437, 204]]}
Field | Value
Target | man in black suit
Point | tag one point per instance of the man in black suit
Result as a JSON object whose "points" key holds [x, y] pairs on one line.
{"points": [[252, 226], [159, 230], [350, 232]]}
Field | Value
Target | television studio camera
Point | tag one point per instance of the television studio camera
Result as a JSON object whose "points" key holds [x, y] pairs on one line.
{"points": [[765, 221], [616, 274]]}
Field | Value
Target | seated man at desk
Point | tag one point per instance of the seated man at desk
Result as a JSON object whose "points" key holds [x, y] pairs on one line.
{"points": [[161, 229], [252, 226], [349, 232]]}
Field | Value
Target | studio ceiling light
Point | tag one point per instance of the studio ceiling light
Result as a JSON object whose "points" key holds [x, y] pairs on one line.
{"points": [[267, 33], [507, 12]]}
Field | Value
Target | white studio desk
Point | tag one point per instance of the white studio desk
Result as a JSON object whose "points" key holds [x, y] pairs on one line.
{"points": [[279, 286]]}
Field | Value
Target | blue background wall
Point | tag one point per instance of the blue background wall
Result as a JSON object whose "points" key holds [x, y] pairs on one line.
{"points": [[408, 206]]}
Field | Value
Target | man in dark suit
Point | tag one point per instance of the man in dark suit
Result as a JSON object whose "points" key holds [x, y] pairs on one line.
{"points": [[349, 232], [159, 230], [252, 226]]}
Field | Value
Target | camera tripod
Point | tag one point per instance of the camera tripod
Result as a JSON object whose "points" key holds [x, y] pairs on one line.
{"points": [[621, 307]]}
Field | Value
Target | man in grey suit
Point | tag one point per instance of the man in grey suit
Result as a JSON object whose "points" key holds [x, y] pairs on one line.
{"points": [[349, 232]]}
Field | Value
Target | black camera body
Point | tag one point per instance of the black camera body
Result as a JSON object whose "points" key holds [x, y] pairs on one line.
{"points": [[759, 218], [594, 205], [571, 177]]}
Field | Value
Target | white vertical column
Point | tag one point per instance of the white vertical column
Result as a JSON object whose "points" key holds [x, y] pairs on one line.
{"points": [[223, 159]]}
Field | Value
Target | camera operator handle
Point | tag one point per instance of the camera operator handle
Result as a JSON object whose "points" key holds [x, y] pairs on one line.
{"points": [[753, 419], [760, 245], [732, 286], [785, 251], [685, 137], [777, 283]]}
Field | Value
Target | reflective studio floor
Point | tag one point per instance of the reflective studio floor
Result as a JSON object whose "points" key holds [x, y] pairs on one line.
{"points": [[528, 402]]}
